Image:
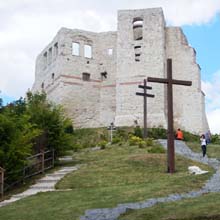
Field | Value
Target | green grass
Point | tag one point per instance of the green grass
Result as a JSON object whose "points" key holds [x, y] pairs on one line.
{"points": [[106, 178], [213, 150], [201, 208]]}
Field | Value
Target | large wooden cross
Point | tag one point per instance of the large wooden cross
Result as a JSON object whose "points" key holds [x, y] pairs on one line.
{"points": [[145, 94], [170, 81]]}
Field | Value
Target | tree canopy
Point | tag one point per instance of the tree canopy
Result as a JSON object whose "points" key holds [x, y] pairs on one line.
{"points": [[30, 125]]}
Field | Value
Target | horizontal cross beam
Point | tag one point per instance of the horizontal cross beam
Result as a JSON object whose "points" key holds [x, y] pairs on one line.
{"points": [[144, 87], [166, 81], [145, 94]]}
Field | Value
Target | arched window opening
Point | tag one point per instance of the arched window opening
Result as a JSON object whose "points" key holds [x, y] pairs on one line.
{"points": [[138, 28]]}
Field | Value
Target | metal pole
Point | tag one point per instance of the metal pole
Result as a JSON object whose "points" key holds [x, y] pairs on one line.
{"points": [[145, 109], [170, 142]]}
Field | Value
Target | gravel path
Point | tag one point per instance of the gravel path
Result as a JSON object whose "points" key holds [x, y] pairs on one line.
{"points": [[44, 184], [212, 185]]}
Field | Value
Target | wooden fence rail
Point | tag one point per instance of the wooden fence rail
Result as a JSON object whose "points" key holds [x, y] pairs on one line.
{"points": [[36, 164]]}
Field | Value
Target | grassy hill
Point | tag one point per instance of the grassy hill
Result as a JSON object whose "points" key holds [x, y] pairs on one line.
{"points": [[117, 174]]}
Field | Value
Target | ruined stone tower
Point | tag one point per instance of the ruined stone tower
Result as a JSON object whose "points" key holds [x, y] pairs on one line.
{"points": [[95, 75]]}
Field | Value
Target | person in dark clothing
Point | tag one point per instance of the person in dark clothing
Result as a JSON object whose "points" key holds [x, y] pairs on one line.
{"points": [[203, 144]]}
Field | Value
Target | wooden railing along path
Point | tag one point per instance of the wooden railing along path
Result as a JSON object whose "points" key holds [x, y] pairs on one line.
{"points": [[36, 164]]}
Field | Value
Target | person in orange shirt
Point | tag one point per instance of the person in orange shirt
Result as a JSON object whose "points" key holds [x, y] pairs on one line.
{"points": [[179, 134]]}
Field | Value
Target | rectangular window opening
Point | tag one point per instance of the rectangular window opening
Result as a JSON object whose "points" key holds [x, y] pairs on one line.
{"points": [[110, 51], [55, 50], [50, 56], [75, 49], [45, 60], [87, 51], [86, 77]]}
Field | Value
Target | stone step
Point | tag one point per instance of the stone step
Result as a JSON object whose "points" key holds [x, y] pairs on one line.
{"points": [[45, 184]]}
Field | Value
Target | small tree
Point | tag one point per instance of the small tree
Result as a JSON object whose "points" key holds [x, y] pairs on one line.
{"points": [[50, 119]]}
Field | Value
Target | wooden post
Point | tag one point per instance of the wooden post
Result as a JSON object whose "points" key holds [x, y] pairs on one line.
{"points": [[2, 182], [42, 161], [170, 82], [53, 157], [145, 94]]}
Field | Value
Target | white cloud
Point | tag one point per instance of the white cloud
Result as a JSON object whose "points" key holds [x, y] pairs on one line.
{"points": [[214, 119], [27, 26], [212, 91]]}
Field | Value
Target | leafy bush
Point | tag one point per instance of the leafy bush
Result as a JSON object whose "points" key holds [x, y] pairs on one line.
{"points": [[149, 142], [27, 126], [50, 119], [133, 140], [215, 139], [102, 144], [156, 150], [116, 140], [138, 132], [88, 137], [157, 133], [187, 136], [142, 144]]}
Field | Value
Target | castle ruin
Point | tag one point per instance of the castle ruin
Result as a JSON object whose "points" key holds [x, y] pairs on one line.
{"points": [[95, 76]]}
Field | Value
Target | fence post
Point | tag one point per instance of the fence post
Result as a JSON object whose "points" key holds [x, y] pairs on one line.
{"points": [[42, 160], [2, 182], [53, 157]]}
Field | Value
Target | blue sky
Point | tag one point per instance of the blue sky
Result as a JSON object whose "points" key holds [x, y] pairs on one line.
{"points": [[27, 26], [205, 39]]}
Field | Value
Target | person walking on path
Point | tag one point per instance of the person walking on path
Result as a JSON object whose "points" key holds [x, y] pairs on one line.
{"points": [[203, 144], [179, 134]]}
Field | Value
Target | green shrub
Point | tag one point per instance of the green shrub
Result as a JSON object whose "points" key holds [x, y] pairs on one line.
{"points": [[149, 142], [102, 144], [138, 132], [156, 150], [133, 140], [157, 133], [215, 139], [89, 137], [142, 144], [187, 136], [116, 140]]}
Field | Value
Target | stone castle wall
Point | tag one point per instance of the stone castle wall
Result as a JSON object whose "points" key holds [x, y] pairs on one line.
{"points": [[95, 75]]}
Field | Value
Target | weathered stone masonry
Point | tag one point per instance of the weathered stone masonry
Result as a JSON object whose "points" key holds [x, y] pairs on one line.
{"points": [[95, 75]]}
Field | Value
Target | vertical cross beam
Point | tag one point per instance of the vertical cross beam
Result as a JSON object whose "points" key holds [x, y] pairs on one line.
{"points": [[145, 87], [170, 81], [170, 141]]}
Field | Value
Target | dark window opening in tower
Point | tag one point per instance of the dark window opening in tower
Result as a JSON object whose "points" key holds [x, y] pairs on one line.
{"points": [[138, 28], [137, 52], [42, 85], [103, 75], [86, 77]]}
